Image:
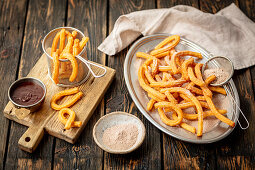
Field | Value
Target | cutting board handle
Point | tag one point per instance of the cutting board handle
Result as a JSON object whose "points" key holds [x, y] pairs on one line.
{"points": [[31, 138]]}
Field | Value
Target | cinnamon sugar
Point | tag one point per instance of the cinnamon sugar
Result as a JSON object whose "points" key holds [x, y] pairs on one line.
{"points": [[120, 137], [220, 74]]}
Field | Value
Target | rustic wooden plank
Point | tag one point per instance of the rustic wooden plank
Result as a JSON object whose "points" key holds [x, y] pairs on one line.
{"points": [[148, 156], [169, 4], [215, 6], [12, 18], [236, 162], [237, 150], [89, 17], [240, 144], [248, 8], [84, 154], [42, 17], [178, 154]]}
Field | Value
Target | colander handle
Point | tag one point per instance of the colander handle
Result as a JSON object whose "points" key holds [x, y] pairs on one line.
{"points": [[90, 63], [247, 122]]}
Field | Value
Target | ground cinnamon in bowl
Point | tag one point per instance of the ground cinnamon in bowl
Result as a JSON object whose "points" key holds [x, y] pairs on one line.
{"points": [[119, 132], [120, 137]]}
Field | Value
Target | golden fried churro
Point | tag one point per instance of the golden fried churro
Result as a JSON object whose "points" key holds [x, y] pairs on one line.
{"points": [[68, 122], [63, 93]]}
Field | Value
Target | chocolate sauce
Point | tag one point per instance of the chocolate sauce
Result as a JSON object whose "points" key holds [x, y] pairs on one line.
{"points": [[27, 93]]}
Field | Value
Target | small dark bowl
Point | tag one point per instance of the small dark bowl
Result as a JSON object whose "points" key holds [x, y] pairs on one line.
{"points": [[32, 107]]}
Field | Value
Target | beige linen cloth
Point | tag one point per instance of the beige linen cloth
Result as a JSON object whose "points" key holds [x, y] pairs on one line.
{"points": [[227, 33]]}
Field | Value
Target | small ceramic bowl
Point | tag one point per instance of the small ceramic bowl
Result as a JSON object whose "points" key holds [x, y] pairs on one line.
{"points": [[117, 118]]}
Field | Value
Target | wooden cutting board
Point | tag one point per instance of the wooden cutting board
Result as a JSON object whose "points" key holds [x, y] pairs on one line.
{"points": [[46, 119]]}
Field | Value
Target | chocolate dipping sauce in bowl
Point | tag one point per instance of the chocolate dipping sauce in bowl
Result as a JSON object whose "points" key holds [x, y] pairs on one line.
{"points": [[28, 93]]}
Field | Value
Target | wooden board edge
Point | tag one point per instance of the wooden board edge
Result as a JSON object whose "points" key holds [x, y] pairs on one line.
{"points": [[15, 119]]}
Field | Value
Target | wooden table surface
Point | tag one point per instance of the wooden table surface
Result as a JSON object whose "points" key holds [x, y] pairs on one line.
{"points": [[24, 23]]}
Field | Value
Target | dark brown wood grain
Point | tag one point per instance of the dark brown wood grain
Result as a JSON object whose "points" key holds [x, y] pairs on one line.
{"points": [[248, 8], [236, 162], [42, 16], [23, 24], [169, 4], [85, 153], [215, 6], [148, 156], [12, 19], [239, 146]]}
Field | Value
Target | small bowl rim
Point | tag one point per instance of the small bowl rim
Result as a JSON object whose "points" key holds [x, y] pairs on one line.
{"points": [[139, 143], [27, 78]]}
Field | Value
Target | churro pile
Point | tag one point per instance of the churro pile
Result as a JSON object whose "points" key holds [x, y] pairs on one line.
{"points": [[174, 84]]}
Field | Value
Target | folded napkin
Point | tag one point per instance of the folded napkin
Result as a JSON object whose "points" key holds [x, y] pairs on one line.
{"points": [[227, 33]]}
